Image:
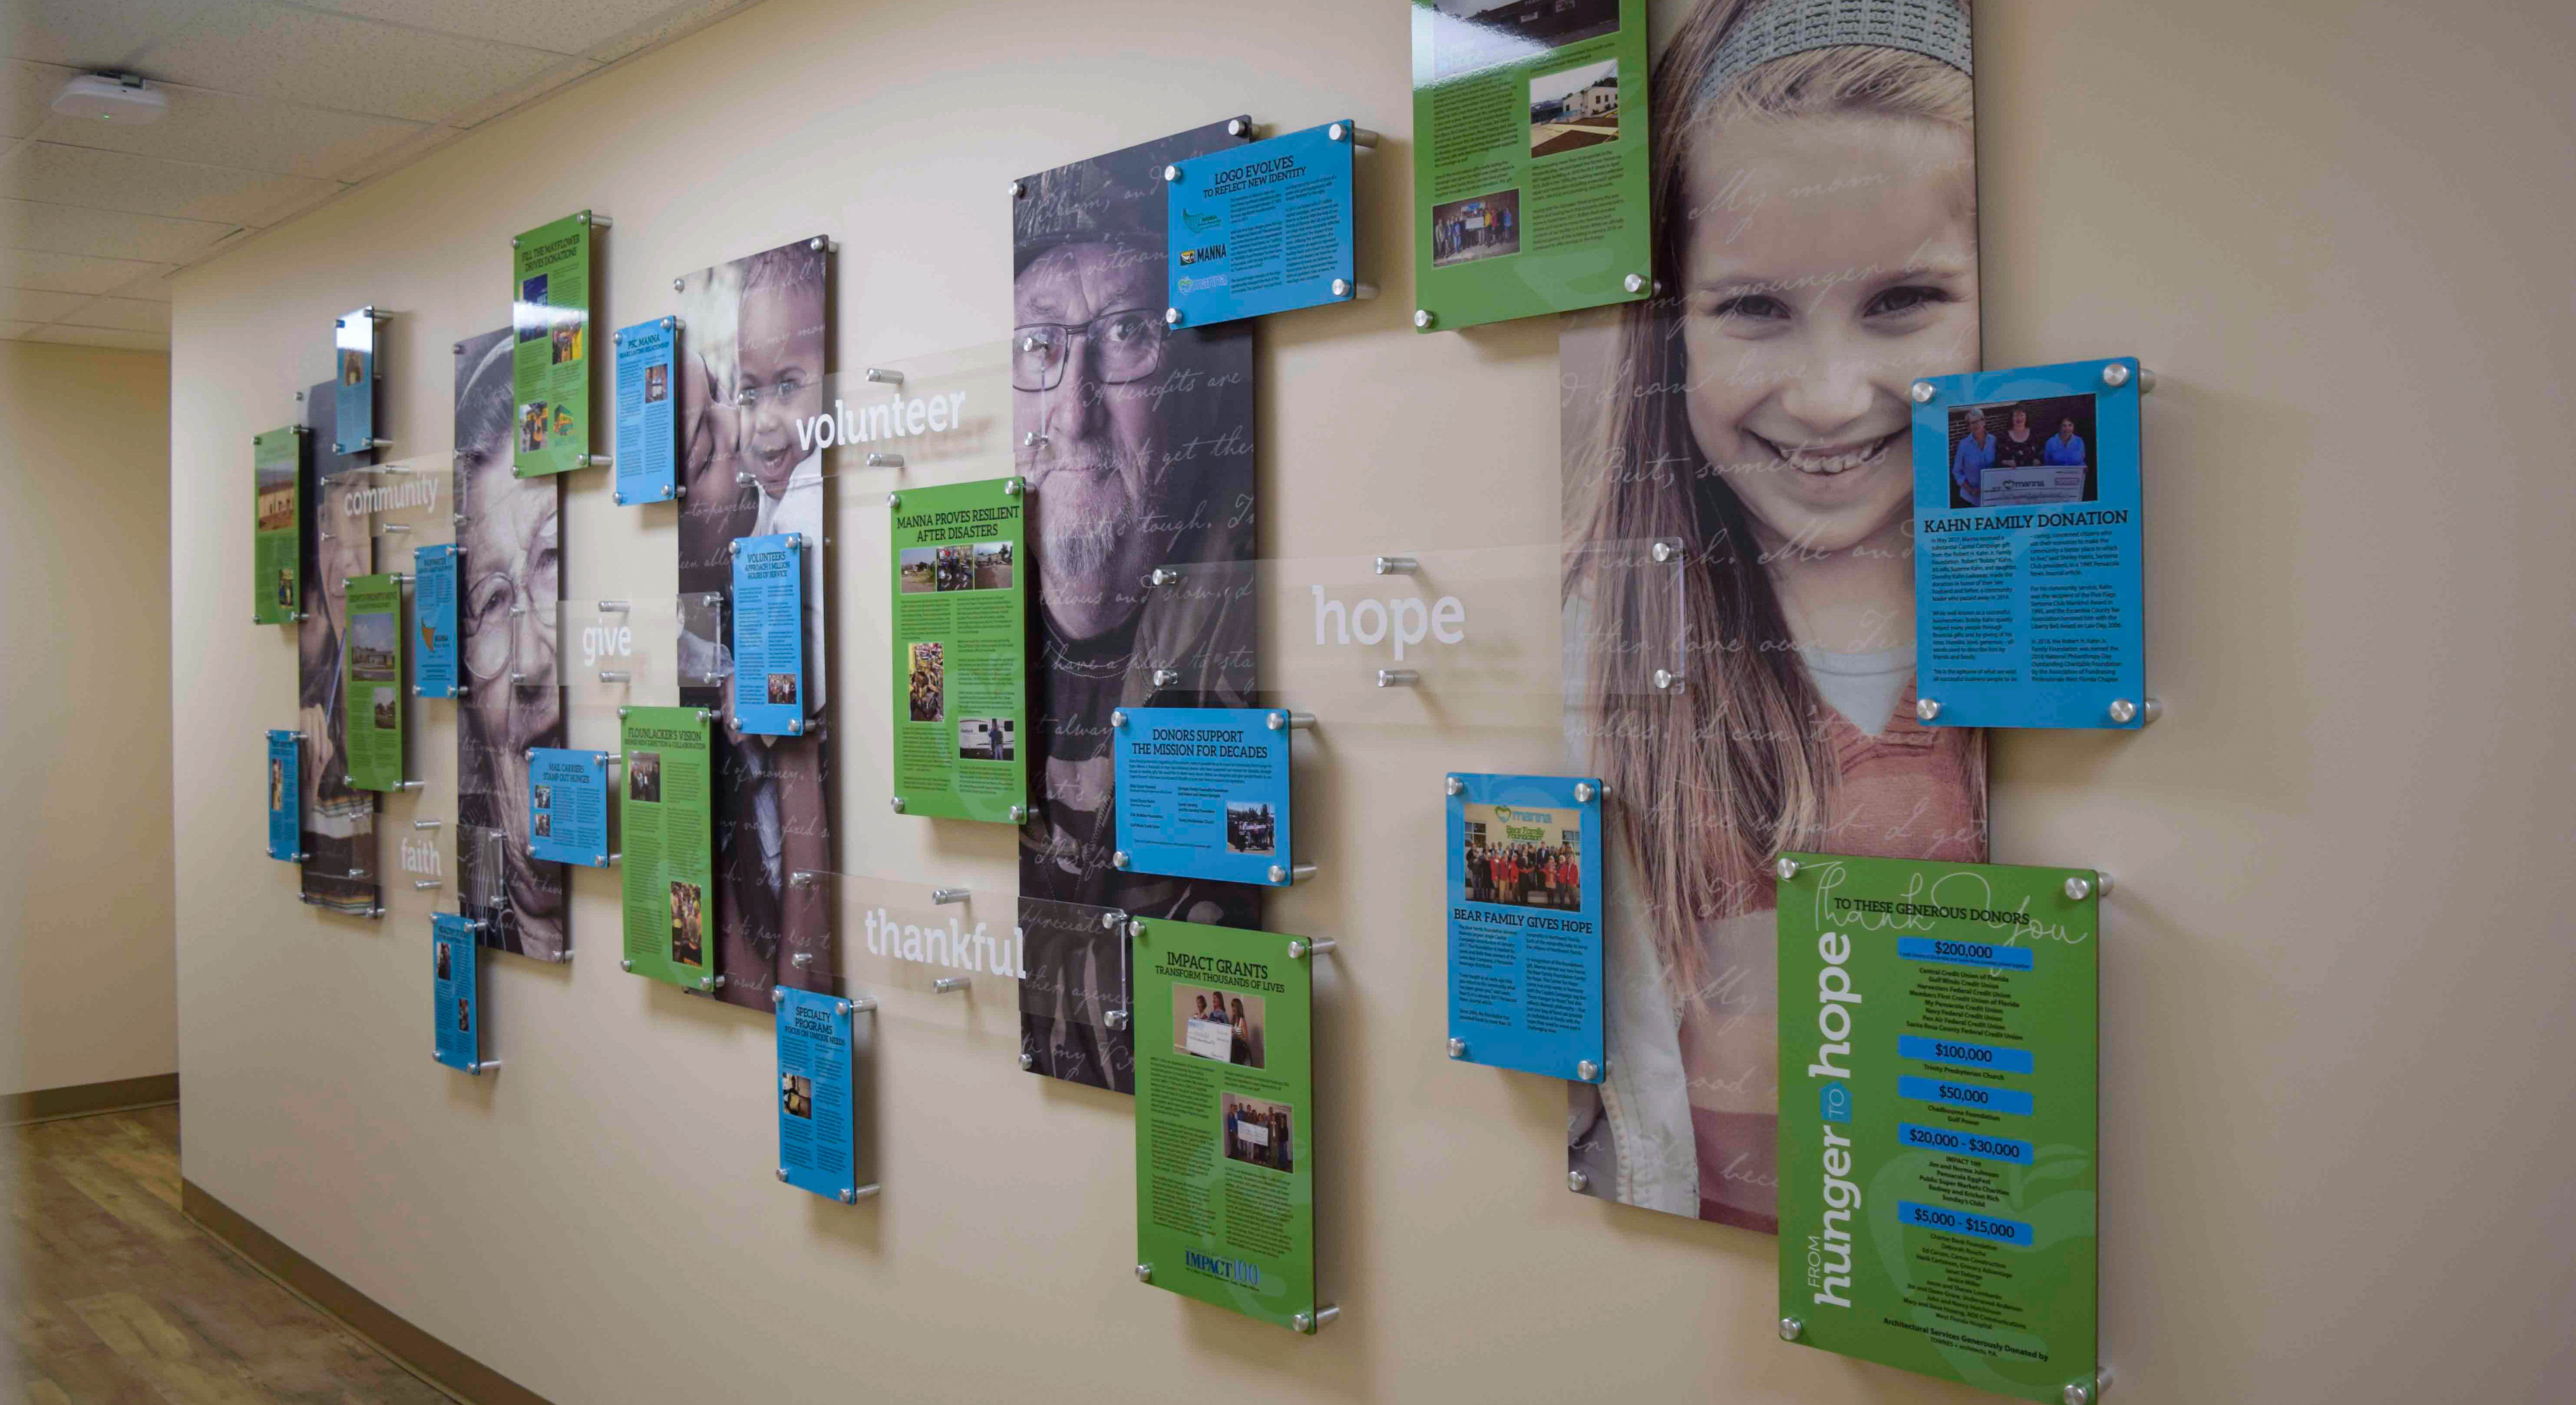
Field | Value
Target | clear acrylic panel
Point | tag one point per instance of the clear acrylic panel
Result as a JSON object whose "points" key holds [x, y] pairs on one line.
{"points": [[897, 934], [948, 411]]}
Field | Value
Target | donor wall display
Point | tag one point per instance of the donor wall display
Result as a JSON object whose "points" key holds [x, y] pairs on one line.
{"points": [[1225, 1107], [1939, 1052]]}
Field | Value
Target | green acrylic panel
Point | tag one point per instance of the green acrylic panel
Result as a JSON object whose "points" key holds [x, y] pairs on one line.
{"points": [[1938, 1141], [550, 350], [277, 525], [1225, 1119], [1530, 185], [666, 830], [372, 673], [960, 614]]}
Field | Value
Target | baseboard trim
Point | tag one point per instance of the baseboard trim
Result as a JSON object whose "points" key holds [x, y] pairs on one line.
{"points": [[89, 1099], [420, 1353]]}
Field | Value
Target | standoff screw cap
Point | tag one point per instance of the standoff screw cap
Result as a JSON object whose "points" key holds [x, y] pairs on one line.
{"points": [[1791, 1329], [1923, 394], [1788, 868]]}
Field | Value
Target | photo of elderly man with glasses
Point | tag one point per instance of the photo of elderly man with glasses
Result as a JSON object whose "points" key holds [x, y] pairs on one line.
{"points": [[510, 599], [1136, 441]]}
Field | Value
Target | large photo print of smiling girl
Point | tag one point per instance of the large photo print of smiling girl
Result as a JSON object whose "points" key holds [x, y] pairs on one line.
{"points": [[754, 343], [1814, 179]]}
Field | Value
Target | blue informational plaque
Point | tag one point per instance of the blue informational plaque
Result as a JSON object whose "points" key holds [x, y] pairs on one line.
{"points": [[1524, 924], [353, 383], [1202, 792], [1262, 228], [647, 440], [456, 1004], [817, 1120], [568, 806], [2027, 573], [433, 599], [769, 635], [285, 796]]}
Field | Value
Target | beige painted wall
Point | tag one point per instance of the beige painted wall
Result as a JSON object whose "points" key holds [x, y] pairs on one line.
{"points": [[2338, 988], [85, 898]]}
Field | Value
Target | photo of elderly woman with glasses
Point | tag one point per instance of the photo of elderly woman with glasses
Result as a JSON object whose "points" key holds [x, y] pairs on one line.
{"points": [[1136, 440], [509, 599]]}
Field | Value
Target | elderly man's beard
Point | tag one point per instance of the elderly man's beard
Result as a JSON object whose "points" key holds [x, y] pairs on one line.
{"points": [[1081, 553]]}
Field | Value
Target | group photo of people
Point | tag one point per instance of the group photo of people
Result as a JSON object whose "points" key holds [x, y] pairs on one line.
{"points": [[1503, 866], [1251, 827], [782, 688], [1259, 1133], [1480, 227], [796, 1095], [688, 925], [2053, 432], [929, 682], [532, 425], [1220, 1026], [644, 777]]}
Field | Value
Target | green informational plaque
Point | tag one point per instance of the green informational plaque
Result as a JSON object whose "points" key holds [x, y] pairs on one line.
{"points": [[960, 651], [1530, 189], [373, 670], [669, 863], [277, 525], [550, 362], [1225, 1109], [1937, 1133]]}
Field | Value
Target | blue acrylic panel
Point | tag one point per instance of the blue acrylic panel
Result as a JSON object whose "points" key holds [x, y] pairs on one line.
{"points": [[817, 1121], [456, 1003], [769, 635], [353, 383], [568, 806], [1524, 922], [285, 796], [1262, 228], [1203, 792], [2028, 580], [433, 598], [647, 455]]}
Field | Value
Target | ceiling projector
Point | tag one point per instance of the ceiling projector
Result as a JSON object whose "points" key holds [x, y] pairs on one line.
{"points": [[108, 97]]}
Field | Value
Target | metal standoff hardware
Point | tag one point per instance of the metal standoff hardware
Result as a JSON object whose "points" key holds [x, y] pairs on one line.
{"points": [[1454, 786], [1668, 550], [1170, 174], [898, 804], [1577, 1182], [1286, 875], [1167, 677], [947, 984], [941, 897], [2077, 889], [616, 607], [616, 675], [1238, 126], [1299, 948], [1398, 677], [1028, 1061], [597, 221], [2124, 711], [1117, 1019], [807, 877], [1791, 1329], [1019, 814], [1926, 710], [1457, 1048], [1120, 859], [881, 376], [423, 885], [1309, 1322], [1171, 317], [1345, 288], [597, 461], [1144, 1272], [1585, 1070], [1423, 319], [1925, 392], [424, 824], [1032, 439], [885, 461], [1163, 575], [1585, 792], [476, 1068], [411, 785], [1396, 565], [1787, 868], [1282, 719], [855, 1194], [1360, 137]]}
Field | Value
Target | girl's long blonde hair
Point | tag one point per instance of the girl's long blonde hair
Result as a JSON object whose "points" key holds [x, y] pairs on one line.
{"points": [[1718, 776]]}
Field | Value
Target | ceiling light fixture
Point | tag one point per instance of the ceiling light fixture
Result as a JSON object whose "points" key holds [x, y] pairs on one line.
{"points": [[120, 98]]}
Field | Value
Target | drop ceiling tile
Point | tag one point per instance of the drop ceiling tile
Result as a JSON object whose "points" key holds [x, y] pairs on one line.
{"points": [[147, 185], [566, 26], [267, 49], [153, 285], [77, 273], [27, 95], [113, 234], [14, 331], [401, 154], [31, 305], [102, 336], [553, 76], [670, 24], [124, 314], [250, 134]]}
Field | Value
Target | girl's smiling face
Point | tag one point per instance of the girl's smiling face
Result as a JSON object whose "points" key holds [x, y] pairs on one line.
{"points": [[1829, 263]]}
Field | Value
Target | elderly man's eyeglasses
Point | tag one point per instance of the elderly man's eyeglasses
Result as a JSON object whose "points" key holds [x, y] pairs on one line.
{"points": [[1127, 345]]}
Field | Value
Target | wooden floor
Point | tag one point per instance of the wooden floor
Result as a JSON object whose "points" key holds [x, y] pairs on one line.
{"points": [[120, 1299]]}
